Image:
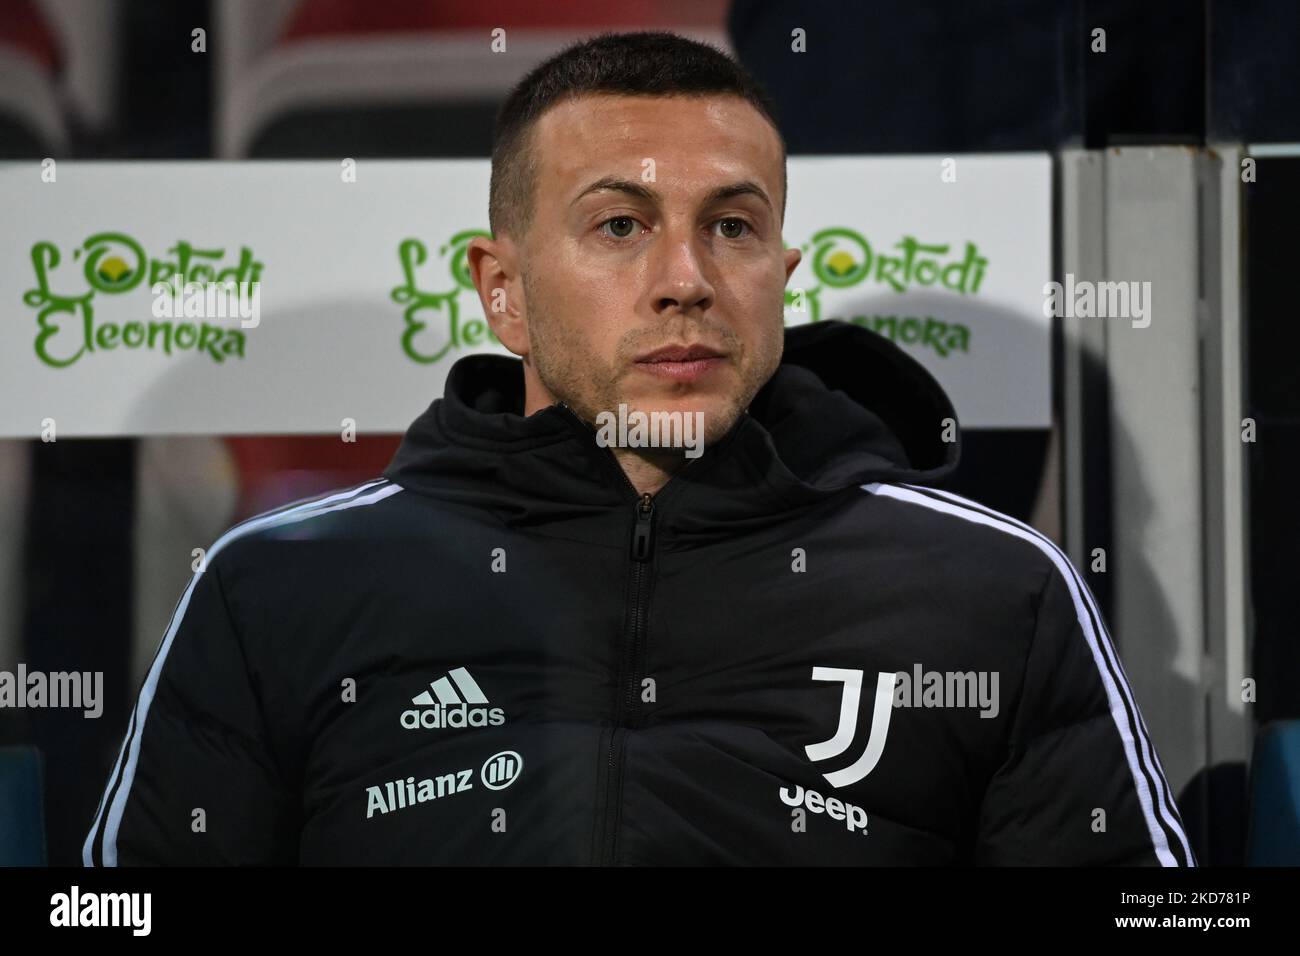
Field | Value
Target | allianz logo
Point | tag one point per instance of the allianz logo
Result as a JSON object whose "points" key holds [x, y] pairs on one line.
{"points": [[440, 706], [498, 772]]}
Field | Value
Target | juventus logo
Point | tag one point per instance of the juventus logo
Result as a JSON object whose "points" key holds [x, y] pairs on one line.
{"points": [[852, 681]]}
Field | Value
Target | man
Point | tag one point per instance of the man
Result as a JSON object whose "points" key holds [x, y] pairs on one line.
{"points": [[542, 638]]}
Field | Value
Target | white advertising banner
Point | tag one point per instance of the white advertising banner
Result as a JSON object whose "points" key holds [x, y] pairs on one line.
{"points": [[356, 298]]}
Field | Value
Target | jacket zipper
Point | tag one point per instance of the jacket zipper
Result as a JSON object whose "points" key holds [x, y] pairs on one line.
{"points": [[627, 705]]}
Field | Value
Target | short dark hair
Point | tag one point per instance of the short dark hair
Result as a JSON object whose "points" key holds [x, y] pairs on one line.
{"points": [[649, 63]]}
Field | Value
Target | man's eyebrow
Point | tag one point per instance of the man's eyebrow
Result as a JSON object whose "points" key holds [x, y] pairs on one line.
{"points": [[618, 184], [745, 188], [633, 188]]}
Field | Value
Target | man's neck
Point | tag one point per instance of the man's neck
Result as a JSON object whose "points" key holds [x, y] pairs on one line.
{"points": [[648, 469]]}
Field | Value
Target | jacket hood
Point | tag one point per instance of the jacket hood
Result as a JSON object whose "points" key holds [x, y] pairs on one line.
{"points": [[845, 407]]}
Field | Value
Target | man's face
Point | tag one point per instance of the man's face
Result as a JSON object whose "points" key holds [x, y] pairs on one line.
{"points": [[656, 226]]}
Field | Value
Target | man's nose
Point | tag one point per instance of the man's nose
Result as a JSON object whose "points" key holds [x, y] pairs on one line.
{"points": [[680, 282]]}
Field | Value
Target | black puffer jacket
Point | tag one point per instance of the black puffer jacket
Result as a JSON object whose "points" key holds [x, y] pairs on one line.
{"points": [[500, 653]]}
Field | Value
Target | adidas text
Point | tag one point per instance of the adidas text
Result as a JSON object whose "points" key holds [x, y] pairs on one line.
{"points": [[455, 715]]}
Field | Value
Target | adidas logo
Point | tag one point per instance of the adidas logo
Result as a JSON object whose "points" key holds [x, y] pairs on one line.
{"points": [[441, 706]]}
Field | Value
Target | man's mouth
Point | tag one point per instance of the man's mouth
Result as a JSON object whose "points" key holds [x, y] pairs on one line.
{"points": [[681, 363]]}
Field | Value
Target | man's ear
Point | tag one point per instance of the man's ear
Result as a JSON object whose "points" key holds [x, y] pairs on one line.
{"points": [[792, 257], [494, 267]]}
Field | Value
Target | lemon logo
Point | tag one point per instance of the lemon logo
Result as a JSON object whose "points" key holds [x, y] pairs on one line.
{"points": [[841, 257], [114, 262], [840, 263], [113, 269]]}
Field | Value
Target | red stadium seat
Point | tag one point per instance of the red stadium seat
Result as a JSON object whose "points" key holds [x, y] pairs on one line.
{"points": [[31, 119], [23, 28], [351, 78], [355, 17], [277, 469]]}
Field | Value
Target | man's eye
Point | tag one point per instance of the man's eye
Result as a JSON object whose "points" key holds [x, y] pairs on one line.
{"points": [[732, 233], [620, 227]]}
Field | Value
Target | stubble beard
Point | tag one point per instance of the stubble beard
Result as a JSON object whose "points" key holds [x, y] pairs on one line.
{"points": [[580, 379]]}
